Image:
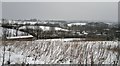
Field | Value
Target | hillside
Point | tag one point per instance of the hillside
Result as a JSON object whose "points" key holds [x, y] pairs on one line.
{"points": [[60, 52]]}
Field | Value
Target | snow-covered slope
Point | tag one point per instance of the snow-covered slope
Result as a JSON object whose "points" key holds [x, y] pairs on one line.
{"points": [[52, 52], [44, 28]]}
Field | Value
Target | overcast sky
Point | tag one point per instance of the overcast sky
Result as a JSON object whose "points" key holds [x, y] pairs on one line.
{"points": [[0, 10], [60, 0], [93, 11]]}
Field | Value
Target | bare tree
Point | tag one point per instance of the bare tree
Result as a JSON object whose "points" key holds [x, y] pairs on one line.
{"points": [[3, 41], [8, 62], [118, 53]]}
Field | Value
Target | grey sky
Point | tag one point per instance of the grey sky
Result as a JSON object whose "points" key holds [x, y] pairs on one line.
{"points": [[60, 0], [0, 10], [98, 11], [119, 13]]}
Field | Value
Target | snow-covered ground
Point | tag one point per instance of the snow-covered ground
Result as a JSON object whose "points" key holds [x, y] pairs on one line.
{"points": [[12, 32], [44, 28], [70, 24], [59, 51]]}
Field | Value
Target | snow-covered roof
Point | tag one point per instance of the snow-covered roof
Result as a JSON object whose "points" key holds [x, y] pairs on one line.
{"points": [[84, 32]]}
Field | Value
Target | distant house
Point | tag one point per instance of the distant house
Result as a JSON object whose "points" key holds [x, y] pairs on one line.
{"points": [[85, 33]]}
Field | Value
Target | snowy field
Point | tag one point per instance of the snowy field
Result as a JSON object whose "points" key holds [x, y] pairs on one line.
{"points": [[59, 52]]}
